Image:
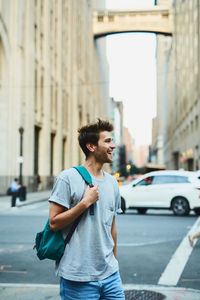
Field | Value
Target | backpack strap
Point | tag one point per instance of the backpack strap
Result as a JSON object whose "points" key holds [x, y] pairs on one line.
{"points": [[88, 179], [72, 229]]}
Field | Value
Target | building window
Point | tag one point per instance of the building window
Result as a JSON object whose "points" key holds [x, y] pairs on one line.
{"points": [[36, 150], [192, 126], [100, 18], [42, 94], [196, 121], [111, 18], [36, 90], [52, 153], [64, 143]]}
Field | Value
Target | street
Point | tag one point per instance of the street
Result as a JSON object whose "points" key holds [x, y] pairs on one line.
{"points": [[146, 244]]}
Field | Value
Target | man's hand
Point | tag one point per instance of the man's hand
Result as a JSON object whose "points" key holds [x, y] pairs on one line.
{"points": [[91, 195], [59, 217]]}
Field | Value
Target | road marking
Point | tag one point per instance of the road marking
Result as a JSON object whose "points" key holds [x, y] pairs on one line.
{"points": [[175, 267], [15, 249], [3, 269], [144, 244], [13, 271], [190, 279]]}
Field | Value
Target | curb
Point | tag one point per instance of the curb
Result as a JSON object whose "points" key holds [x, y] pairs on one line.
{"points": [[170, 292], [27, 202], [7, 206], [51, 291]]}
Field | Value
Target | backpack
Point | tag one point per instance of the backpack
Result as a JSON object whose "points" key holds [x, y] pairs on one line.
{"points": [[50, 244], [9, 191]]}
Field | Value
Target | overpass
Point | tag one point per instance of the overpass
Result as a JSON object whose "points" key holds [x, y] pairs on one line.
{"points": [[157, 19]]}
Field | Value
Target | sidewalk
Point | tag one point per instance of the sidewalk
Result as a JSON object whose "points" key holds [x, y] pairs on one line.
{"points": [[5, 201], [41, 291], [132, 292]]}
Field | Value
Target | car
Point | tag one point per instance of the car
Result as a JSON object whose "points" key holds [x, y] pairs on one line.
{"points": [[175, 190]]}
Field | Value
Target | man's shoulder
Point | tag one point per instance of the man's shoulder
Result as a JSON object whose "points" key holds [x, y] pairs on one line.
{"points": [[66, 174], [109, 177]]}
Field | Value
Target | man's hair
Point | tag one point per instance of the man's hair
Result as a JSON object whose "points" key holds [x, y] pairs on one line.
{"points": [[90, 134]]}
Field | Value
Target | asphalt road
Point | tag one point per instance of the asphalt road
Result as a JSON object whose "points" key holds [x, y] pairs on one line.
{"points": [[146, 244]]}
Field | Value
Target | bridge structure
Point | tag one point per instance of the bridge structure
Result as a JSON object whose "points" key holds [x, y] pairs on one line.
{"points": [[157, 19]]}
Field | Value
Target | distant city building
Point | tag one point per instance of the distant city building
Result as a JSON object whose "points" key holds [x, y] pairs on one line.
{"points": [[118, 135], [152, 147], [128, 142], [140, 156], [180, 94], [51, 83], [162, 54]]}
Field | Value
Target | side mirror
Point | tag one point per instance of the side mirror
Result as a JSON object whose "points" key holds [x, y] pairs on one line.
{"points": [[133, 185]]}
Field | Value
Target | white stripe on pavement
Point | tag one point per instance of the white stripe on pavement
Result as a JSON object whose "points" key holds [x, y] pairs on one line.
{"points": [[145, 243], [134, 244], [175, 267]]}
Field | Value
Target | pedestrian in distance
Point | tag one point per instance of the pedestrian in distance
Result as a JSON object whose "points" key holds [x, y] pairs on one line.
{"points": [[89, 268], [16, 190], [192, 238]]}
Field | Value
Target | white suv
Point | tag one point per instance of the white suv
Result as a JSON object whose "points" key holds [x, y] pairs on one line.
{"points": [[175, 190]]}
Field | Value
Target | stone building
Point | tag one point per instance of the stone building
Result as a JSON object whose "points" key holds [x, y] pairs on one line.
{"points": [[50, 84], [163, 51], [118, 134], [179, 88]]}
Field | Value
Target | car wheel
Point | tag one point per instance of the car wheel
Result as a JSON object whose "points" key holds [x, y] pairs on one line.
{"points": [[123, 205], [180, 206], [142, 211], [197, 211]]}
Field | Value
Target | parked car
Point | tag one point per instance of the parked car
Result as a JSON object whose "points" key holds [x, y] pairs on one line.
{"points": [[175, 190]]}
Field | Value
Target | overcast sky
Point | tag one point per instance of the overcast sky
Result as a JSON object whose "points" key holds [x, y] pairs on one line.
{"points": [[132, 63]]}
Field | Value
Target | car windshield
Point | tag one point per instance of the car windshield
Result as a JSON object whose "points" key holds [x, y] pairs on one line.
{"points": [[145, 181], [167, 179]]}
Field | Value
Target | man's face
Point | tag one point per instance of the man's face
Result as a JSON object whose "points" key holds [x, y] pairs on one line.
{"points": [[103, 150]]}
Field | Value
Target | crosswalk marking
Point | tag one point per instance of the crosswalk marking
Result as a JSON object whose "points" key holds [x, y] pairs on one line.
{"points": [[175, 267], [147, 243]]}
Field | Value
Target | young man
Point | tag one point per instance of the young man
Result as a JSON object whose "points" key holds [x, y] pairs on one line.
{"points": [[89, 267]]}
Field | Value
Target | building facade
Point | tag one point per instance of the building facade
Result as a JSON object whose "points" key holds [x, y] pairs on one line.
{"points": [[181, 132], [118, 134], [140, 155], [163, 51], [50, 84]]}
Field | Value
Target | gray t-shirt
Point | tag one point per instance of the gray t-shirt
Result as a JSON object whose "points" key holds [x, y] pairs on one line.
{"points": [[89, 254]]}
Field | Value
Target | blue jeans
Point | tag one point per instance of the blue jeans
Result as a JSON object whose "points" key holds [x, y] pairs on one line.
{"points": [[107, 289]]}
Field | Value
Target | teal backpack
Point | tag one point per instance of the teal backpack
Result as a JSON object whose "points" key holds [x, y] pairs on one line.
{"points": [[50, 244]]}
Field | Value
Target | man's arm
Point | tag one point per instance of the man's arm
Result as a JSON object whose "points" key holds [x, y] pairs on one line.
{"points": [[114, 236], [60, 217]]}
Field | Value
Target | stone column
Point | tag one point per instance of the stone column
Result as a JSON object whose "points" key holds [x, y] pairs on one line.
{"points": [[74, 121], [16, 108], [28, 93], [44, 142], [57, 159]]}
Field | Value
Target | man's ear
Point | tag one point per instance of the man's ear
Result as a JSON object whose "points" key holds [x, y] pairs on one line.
{"points": [[91, 147]]}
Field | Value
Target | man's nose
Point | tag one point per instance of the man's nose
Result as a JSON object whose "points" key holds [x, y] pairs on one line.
{"points": [[113, 146]]}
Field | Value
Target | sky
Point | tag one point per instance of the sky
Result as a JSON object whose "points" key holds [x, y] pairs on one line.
{"points": [[132, 64]]}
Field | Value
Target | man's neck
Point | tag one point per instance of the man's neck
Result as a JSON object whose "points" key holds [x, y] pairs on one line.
{"points": [[94, 168]]}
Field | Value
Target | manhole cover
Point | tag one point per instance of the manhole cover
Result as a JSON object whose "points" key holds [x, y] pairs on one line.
{"points": [[143, 295]]}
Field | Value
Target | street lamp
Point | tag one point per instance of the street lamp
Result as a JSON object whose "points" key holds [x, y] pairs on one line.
{"points": [[21, 131]]}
